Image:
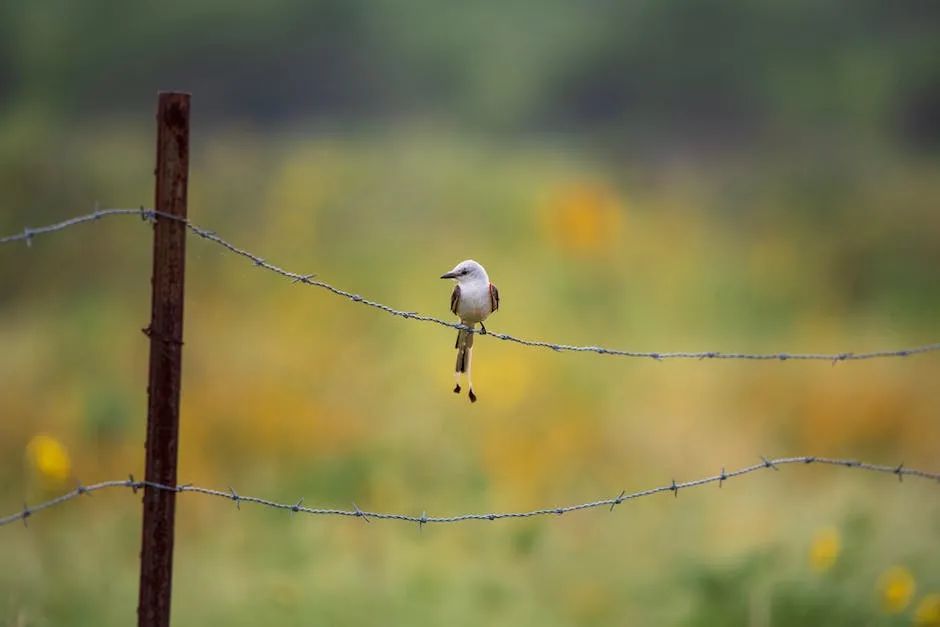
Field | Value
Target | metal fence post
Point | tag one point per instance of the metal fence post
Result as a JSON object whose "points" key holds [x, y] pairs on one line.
{"points": [[166, 344]]}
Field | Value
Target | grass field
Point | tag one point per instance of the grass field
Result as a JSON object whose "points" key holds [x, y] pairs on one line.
{"points": [[289, 391]]}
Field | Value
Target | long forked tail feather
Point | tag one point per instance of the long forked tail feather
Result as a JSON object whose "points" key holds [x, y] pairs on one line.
{"points": [[463, 346]]}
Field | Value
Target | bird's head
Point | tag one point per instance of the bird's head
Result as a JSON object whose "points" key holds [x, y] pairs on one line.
{"points": [[468, 271]]}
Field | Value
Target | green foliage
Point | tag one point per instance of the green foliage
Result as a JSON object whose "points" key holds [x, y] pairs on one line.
{"points": [[720, 71]]}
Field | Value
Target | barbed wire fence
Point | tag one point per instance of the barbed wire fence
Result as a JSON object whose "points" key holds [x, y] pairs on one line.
{"points": [[160, 486], [149, 215], [900, 471]]}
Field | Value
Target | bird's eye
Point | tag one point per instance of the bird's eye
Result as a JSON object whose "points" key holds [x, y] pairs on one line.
{"points": [[464, 271]]}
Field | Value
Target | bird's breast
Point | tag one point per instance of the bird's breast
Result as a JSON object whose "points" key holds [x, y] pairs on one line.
{"points": [[474, 305]]}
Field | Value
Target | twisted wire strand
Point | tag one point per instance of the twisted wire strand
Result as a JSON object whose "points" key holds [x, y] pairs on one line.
{"points": [[309, 279], [765, 464]]}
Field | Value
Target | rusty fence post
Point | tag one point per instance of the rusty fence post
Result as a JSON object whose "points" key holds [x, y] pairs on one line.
{"points": [[166, 345]]}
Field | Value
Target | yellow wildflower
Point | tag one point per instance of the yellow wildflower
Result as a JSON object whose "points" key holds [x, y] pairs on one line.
{"points": [[928, 611], [49, 458], [824, 550], [584, 218], [897, 587]]}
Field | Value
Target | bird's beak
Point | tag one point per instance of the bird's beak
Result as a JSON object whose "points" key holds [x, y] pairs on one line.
{"points": [[449, 275]]}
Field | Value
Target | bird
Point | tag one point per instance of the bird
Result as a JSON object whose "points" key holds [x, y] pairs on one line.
{"points": [[474, 298]]}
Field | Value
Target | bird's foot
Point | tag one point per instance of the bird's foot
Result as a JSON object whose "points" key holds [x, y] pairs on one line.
{"points": [[473, 397], [457, 389], [482, 329]]}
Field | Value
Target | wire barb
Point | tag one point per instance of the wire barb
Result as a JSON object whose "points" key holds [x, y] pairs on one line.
{"points": [[768, 463], [841, 357], [363, 516], [308, 279], [617, 501], [304, 278]]}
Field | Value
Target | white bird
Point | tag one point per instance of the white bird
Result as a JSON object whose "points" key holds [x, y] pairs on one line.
{"points": [[474, 298]]}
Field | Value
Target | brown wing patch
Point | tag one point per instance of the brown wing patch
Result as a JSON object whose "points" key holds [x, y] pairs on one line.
{"points": [[494, 298], [455, 299]]}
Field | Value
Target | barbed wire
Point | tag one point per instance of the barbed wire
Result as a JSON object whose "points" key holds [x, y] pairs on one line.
{"points": [[765, 464], [30, 232], [309, 279]]}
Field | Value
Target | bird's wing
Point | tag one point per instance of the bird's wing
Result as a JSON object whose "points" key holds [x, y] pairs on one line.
{"points": [[455, 299], [494, 298]]}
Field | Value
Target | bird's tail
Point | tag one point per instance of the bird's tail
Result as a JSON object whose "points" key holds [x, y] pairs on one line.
{"points": [[464, 352], [463, 346]]}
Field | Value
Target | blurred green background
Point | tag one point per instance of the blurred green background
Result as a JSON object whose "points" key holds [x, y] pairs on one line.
{"points": [[712, 175]]}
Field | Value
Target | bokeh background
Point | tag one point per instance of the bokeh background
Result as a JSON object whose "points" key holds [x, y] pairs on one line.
{"points": [[709, 175]]}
